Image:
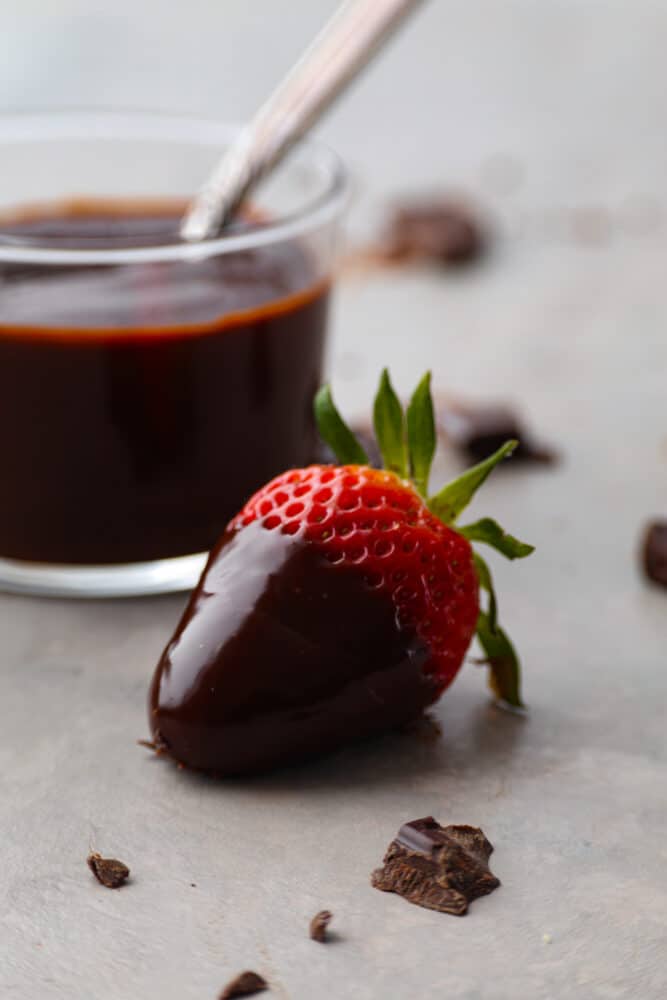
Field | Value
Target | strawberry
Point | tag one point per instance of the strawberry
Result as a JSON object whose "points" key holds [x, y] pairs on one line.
{"points": [[340, 601], [375, 524]]}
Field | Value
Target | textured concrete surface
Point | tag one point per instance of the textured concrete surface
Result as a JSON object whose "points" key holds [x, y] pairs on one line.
{"points": [[541, 111]]}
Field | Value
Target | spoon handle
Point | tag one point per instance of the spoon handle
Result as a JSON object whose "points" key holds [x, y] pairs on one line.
{"points": [[338, 53]]}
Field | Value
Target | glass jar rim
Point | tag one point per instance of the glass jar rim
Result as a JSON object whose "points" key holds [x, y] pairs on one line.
{"points": [[63, 124]]}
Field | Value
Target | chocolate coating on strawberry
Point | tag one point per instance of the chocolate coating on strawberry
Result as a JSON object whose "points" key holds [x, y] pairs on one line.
{"points": [[334, 606], [282, 655]]}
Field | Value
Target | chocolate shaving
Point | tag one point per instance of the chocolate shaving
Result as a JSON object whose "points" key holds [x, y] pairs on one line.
{"points": [[439, 868], [478, 431], [244, 985], [319, 924], [439, 229], [157, 746], [654, 553], [110, 872]]}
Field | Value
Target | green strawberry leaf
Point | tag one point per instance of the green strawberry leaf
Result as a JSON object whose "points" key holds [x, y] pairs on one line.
{"points": [[389, 425], [421, 434], [505, 673], [455, 497], [489, 531], [335, 432], [486, 583]]}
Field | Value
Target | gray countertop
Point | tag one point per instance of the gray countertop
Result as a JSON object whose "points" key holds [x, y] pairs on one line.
{"points": [[553, 118]]}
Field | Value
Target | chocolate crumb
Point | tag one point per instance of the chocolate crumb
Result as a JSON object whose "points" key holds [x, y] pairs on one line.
{"points": [[319, 924], [244, 985], [439, 229], [157, 746], [654, 553], [479, 430], [439, 868], [110, 872]]}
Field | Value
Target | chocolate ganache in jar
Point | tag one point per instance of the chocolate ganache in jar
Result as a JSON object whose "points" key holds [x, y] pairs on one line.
{"points": [[147, 387]]}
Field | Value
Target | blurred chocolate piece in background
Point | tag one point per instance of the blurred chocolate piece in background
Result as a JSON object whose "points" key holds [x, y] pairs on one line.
{"points": [[654, 552], [478, 430], [439, 229]]}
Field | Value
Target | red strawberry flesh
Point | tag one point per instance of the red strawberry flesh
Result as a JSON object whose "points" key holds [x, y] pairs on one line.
{"points": [[334, 606]]}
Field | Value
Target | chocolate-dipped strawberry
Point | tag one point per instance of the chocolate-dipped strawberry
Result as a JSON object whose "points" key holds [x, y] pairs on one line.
{"points": [[339, 602]]}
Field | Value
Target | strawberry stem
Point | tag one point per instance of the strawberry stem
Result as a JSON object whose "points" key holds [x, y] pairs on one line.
{"points": [[389, 426], [505, 673], [489, 531], [486, 583], [421, 434], [335, 432], [455, 497]]}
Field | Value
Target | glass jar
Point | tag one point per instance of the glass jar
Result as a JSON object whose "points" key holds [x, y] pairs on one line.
{"points": [[147, 386]]}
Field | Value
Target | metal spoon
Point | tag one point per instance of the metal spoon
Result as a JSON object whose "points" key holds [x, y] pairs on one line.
{"points": [[338, 53]]}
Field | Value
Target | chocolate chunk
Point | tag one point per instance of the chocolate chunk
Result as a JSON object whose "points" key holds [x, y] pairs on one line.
{"points": [[478, 431], [654, 552], [440, 868], [108, 871], [365, 437], [439, 229], [319, 924], [244, 985]]}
